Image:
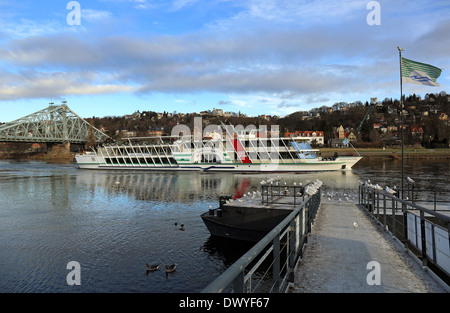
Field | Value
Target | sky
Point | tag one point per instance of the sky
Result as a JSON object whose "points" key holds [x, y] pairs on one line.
{"points": [[254, 56]]}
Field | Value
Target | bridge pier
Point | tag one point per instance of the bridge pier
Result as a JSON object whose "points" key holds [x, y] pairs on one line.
{"points": [[59, 151]]}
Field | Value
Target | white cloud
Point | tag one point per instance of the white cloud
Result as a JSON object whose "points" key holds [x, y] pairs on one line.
{"points": [[271, 54], [179, 4], [27, 28], [31, 84], [90, 14]]}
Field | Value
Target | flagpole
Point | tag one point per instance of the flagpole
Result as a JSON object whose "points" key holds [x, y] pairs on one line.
{"points": [[401, 113]]}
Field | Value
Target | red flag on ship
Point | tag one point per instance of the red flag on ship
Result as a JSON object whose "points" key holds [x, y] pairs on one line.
{"points": [[242, 155]]}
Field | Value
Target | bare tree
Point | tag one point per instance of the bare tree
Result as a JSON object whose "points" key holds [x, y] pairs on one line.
{"points": [[90, 140]]}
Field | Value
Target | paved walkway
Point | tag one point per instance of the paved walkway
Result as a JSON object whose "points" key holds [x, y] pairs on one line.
{"points": [[337, 254]]}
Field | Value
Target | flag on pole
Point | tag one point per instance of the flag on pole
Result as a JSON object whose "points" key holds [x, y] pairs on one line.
{"points": [[420, 73]]}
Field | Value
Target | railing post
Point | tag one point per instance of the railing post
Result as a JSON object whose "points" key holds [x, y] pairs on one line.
{"points": [[373, 202], [378, 205], [422, 234], [300, 233], [363, 196], [359, 194], [384, 210], [435, 200], [405, 224], [276, 264], [394, 206], [292, 252], [307, 216], [433, 242], [238, 283]]}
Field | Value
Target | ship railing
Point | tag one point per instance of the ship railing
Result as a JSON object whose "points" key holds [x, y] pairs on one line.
{"points": [[269, 265], [424, 232]]}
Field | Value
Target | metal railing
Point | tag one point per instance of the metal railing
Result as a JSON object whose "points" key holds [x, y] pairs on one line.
{"points": [[416, 195], [284, 243], [423, 231]]}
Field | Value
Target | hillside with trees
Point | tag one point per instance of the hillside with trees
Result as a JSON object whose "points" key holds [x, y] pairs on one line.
{"points": [[426, 121]]}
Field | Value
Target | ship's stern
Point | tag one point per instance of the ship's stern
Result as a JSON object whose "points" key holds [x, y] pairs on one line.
{"points": [[88, 160]]}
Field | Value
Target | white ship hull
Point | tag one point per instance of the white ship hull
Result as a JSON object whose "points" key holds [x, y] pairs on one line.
{"points": [[90, 161]]}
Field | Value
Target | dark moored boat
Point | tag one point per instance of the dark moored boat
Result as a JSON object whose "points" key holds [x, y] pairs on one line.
{"points": [[249, 223]]}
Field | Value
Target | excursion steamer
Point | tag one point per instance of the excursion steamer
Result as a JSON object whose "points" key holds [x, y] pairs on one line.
{"points": [[235, 153]]}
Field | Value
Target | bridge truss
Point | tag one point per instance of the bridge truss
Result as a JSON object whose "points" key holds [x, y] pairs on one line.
{"points": [[53, 124]]}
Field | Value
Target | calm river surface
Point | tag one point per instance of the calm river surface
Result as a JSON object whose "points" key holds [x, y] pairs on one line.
{"points": [[112, 223]]}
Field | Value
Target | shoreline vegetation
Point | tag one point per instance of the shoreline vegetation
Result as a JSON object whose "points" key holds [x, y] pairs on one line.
{"points": [[390, 153], [61, 153]]}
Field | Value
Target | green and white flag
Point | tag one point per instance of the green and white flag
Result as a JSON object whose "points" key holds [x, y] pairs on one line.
{"points": [[420, 73]]}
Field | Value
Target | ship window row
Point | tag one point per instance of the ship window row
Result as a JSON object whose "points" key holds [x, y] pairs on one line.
{"points": [[141, 161]]}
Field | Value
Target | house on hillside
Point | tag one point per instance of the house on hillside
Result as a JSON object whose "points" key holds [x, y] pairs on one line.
{"points": [[351, 137], [343, 138], [217, 112], [155, 131], [340, 132], [416, 131]]}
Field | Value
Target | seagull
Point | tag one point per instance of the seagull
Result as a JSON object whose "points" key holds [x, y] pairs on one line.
{"points": [[390, 191], [310, 190], [410, 180], [355, 224]]}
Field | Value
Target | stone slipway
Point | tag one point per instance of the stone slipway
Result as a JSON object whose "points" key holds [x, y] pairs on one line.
{"points": [[337, 254]]}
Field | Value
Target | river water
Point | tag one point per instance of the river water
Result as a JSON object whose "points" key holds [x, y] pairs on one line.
{"points": [[112, 223]]}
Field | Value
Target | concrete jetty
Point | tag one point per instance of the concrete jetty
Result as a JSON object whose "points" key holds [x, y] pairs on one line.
{"points": [[337, 256]]}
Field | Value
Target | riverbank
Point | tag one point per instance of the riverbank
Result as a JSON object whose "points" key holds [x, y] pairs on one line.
{"points": [[58, 152], [375, 153]]}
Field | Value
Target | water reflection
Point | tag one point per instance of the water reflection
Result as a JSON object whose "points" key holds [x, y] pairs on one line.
{"points": [[172, 187], [179, 187]]}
